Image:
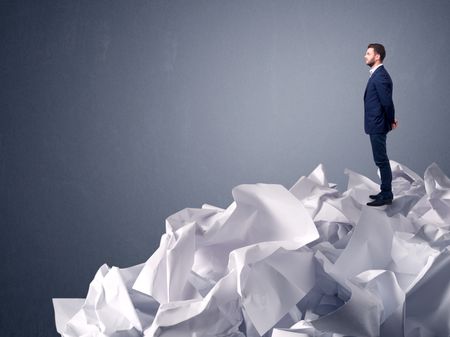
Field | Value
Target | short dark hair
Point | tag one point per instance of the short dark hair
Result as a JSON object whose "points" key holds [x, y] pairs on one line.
{"points": [[379, 49]]}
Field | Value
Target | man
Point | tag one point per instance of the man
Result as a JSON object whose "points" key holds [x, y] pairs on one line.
{"points": [[379, 119]]}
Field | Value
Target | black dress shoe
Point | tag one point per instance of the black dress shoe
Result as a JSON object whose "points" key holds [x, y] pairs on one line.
{"points": [[380, 202], [374, 196]]}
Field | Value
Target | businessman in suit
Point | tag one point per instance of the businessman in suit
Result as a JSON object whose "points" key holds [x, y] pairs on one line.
{"points": [[379, 119]]}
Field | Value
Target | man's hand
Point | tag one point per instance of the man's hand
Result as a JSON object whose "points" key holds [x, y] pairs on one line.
{"points": [[394, 125]]}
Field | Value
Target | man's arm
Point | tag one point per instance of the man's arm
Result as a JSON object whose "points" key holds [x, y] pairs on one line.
{"points": [[383, 87]]}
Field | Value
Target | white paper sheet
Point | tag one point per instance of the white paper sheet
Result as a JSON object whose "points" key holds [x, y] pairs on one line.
{"points": [[308, 261]]}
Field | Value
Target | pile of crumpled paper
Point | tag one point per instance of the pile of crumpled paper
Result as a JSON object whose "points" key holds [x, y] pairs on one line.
{"points": [[308, 261]]}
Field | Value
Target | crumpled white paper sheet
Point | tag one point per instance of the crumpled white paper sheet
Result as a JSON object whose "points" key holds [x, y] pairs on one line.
{"points": [[308, 261]]}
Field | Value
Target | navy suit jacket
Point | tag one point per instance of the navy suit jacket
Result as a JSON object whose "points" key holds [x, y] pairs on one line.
{"points": [[379, 111]]}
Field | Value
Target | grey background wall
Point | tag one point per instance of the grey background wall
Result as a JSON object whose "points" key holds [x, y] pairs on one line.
{"points": [[116, 114]]}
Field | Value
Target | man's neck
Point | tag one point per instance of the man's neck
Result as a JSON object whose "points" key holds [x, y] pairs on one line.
{"points": [[376, 64]]}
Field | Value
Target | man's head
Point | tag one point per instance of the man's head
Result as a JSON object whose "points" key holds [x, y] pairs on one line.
{"points": [[375, 54]]}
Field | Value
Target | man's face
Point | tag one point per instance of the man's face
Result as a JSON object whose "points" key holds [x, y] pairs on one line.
{"points": [[371, 57]]}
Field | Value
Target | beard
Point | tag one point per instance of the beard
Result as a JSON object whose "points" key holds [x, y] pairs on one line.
{"points": [[370, 63]]}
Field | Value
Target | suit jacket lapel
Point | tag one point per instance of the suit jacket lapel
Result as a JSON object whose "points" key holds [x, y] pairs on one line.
{"points": [[367, 85]]}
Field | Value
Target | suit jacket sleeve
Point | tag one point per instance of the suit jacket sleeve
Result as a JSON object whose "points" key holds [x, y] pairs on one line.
{"points": [[383, 87]]}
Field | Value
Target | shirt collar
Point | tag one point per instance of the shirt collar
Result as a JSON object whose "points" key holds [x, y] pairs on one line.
{"points": [[372, 70]]}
